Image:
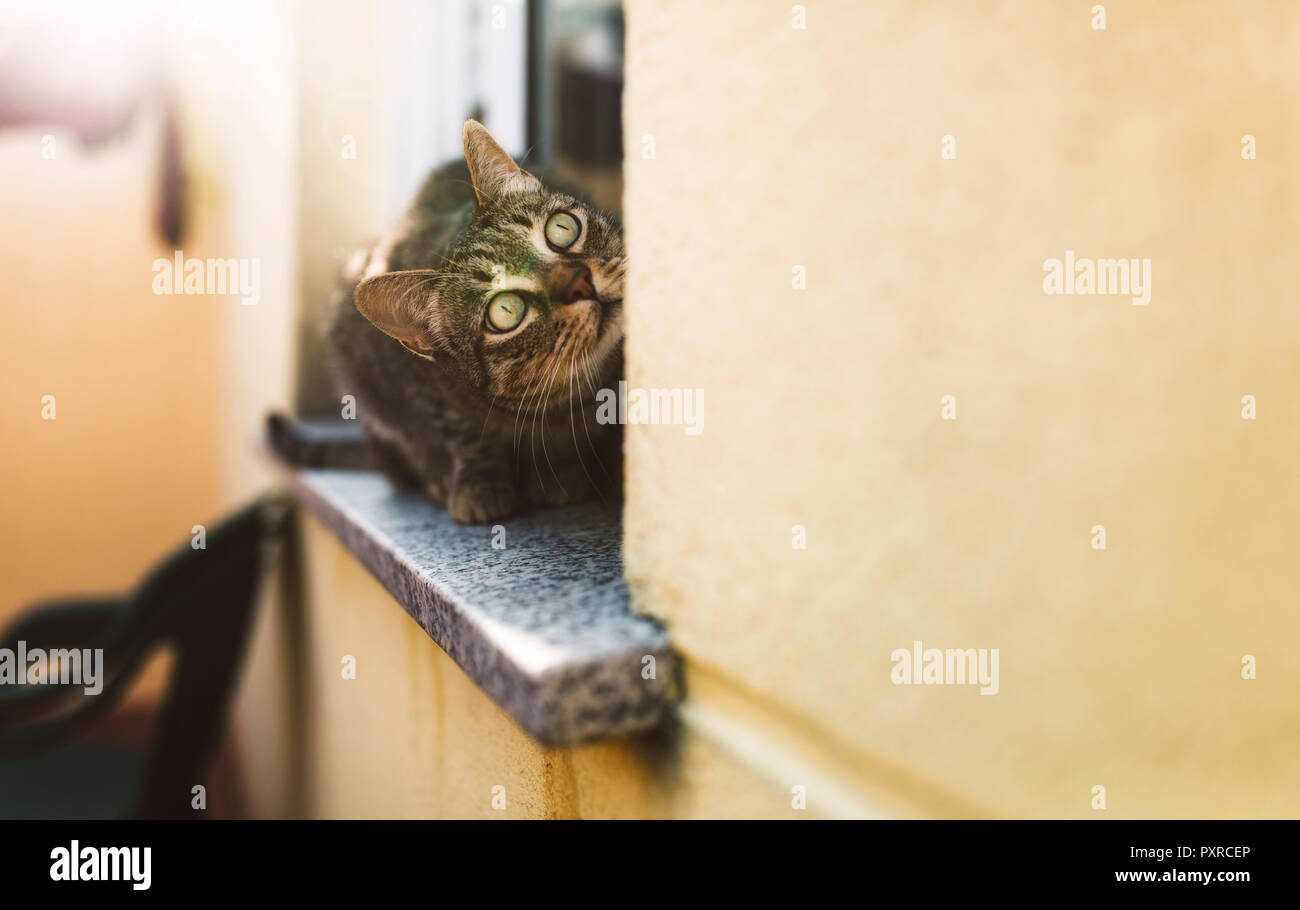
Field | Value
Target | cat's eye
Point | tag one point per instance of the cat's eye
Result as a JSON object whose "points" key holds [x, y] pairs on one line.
{"points": [[562, 229], [505, 311]]}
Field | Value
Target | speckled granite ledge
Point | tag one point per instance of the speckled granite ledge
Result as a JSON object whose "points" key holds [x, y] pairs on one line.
{"points": [[542, 626]]}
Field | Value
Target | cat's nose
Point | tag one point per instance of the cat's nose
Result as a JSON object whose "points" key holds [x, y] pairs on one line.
{"points": [[571, 282]]}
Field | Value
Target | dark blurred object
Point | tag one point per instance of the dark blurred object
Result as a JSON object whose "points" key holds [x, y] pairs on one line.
{"points": [[575, 95], [321, 442], [589, 86], [200, 603], [171, 208], [90, 70]]}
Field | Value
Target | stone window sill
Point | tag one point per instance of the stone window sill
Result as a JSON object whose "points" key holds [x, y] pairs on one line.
{"points": [[542, 625]]}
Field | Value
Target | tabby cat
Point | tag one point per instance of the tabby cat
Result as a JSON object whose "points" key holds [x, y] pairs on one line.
{"points": [[475, 337]]}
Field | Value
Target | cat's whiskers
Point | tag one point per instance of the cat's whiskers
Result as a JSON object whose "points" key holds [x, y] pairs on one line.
{"points": [[550, 382], [586, 365], [528, 411], [573, 369], [491, 401], [524, 409], [555, 363]]}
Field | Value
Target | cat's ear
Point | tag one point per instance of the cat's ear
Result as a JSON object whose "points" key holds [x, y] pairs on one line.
{"points": [[401, 304], [493, 172]]}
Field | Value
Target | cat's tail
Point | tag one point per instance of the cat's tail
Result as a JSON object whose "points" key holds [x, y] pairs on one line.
{"points": [[318, 443]]}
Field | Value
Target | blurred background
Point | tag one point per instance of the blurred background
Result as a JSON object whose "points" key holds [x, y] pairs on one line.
{"points": [[290, 133]]}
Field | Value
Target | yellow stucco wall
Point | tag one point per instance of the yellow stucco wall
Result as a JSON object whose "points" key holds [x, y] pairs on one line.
{"points": [[775, 147]]}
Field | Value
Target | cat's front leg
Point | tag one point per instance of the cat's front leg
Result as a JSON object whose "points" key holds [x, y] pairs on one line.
{"points": [[482, 487]]}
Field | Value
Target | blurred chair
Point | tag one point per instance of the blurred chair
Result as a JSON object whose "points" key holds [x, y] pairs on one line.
{"points": [[200, 603]]}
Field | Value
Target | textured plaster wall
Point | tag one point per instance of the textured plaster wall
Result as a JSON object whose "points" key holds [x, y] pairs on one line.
{"points": [[775, 147]]}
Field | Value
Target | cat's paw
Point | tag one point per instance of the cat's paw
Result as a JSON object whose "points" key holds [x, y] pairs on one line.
{"points": [[481, 503]]}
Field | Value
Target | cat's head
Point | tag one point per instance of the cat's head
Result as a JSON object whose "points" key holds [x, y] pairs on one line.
{"points": [[527, 306]]}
